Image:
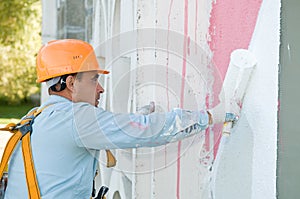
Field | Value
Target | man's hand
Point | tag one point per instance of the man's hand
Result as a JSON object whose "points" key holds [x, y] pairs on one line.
{"points": [[145, 110], [220, 115]]}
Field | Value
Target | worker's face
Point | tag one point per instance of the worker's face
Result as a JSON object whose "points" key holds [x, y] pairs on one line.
{"points": [[87, 88]]}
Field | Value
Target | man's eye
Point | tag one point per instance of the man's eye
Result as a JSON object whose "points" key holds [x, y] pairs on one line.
{"points": [[94, 80]]}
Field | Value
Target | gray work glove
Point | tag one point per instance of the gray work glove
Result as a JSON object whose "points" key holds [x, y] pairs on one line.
{"points": [[145, 110]]}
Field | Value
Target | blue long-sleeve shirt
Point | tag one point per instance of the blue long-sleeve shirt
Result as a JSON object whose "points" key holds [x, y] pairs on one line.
{"points": [[67, 136]]}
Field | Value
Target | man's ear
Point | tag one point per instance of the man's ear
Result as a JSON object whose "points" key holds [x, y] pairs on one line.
{"points": [[70, 82]]}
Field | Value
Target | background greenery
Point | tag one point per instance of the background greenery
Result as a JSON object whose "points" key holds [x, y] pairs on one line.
{"points": [[20, 39], [13, 113]]}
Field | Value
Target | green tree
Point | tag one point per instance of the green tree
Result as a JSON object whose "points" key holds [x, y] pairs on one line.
{"points": [[20, 28]]}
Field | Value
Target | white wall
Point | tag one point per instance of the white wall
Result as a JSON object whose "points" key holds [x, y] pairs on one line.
{"points": [[49, 32], [157, 76]]}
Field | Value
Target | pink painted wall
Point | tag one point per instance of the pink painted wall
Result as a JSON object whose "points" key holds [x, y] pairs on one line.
{"points": [[232, 24]]}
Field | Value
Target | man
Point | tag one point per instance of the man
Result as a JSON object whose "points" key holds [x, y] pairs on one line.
{"points": [[71, 129]]}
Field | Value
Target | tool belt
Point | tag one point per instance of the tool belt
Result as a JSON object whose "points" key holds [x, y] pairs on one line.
{"points": [[21, 132]]}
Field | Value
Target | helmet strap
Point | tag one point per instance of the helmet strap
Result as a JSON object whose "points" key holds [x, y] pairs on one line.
{"points": [[61, 82]]}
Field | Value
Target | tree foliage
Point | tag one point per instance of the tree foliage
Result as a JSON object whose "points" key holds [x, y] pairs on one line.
{"points": [[20, 28]]}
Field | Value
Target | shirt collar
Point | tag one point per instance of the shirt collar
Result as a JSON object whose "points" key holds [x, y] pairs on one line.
{"points": [[53, 99]]}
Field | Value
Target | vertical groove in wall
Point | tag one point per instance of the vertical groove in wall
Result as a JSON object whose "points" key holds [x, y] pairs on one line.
{"points": [[183, 76]]}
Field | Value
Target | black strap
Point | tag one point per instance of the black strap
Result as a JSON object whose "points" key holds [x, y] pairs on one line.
{"points": [[103, 190]]}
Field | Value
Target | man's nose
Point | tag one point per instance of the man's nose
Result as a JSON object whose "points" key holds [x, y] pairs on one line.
{"points": [[100, 89]]}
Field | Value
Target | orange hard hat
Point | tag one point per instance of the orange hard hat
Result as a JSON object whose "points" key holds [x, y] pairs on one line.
{"points": [[66, 56]]}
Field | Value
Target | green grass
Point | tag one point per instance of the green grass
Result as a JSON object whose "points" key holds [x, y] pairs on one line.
{"points": [[13, 113]]}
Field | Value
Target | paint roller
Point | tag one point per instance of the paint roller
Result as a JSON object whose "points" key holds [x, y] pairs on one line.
{"points": [[236, 82]]}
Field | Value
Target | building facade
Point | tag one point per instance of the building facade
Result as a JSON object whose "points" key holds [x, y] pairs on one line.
{"points": [[176, 53]]}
